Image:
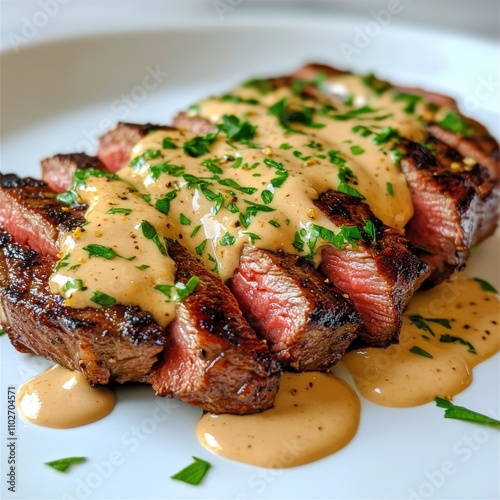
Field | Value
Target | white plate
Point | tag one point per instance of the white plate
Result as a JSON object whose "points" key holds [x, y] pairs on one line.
{"points": [[59, 97]]}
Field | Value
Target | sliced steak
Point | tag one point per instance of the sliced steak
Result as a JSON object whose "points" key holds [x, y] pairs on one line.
{"points": [[118, 344], [213, 359], [195, 124], [58, 170], [30, 211], [305, 321], [455, 205], [115, 145], [380, 277], [216, 361]]}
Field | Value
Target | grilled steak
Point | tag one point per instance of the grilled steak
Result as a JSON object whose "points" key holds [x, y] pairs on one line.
{"points": [[110, 344], [115, 146], [41, 225], [212, 358], [58, 170], [316, 324], [306, 322], [380, 277], [455, 205], [104, 349]]}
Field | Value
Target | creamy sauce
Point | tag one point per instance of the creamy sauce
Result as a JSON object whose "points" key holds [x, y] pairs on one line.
{"points": [[314, 416], [398, 377], [61, 399], [110, 260], [225, 190]]}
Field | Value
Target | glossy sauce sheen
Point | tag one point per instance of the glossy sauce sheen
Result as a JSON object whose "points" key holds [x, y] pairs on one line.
{"points": [[314, 415], [397, 377], [62, 399], [258, 190]]}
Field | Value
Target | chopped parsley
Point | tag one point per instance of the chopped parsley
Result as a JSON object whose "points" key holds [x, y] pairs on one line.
{"points": [[227, 240], [485, 286], [357, 150], [386, 135], [185, 221], [461, 413], [163, 204], [422, 323], [80, 177], [455, 123], [285, 146], [63, 464], [374, 83], [168, 143], [72, 285], [236, 129], [421, 352], [103, 252], [263, 86], [237, 99], [354, 113], [449, 339], [182, 290], [102, 299], [2, 331], [150, 233], [194, 473], [409, 99], [370, 229], [285, 116], [389, 188], [199, 145], [119, 210]]}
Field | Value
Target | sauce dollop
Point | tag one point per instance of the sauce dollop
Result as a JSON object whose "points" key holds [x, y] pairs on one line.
{"points": [[314, 416], [61, 399], [446, 332]]}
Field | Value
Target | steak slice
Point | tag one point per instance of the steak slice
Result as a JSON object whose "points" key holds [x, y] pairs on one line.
{"points": [[212, 358], [32, 214], [115, 146], [117, 344], [58, 170], [305, 321], [380, 277], [217, 361], [455, 205]]}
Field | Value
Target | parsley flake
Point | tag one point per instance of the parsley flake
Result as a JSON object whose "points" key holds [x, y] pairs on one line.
{"points": [[194, 473], [421, 352], [63, 464], [462, 413], [485, 286], [103, 299]]}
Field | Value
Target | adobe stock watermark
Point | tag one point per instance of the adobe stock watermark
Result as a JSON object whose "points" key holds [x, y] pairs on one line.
{"points": [[121, 107], [223, 7], [484, 89], [30, 27], [463, 450], [364, 35]]}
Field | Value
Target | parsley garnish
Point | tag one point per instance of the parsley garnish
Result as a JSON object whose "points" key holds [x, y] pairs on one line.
{"points": [[103, 299], [166, 168], [182, 290], [461, 413], [238, 99], [370, 229], [62, 263], [63, 464], [386, 135], [72, 285], [357, 150], [227, 240], [485, 286], [2, 331], [236, 129], [285, 146], [263, 86], [119, 210], [449, 339], [410, 100], [167, 143], [454, 123], [417, 350], [102, 251], [150, 233], [377, 85], [194, 473], [421, 323], [199, 145], [185, 221], [353, 113], [80, 177], [390, 188], [304, 116]]}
